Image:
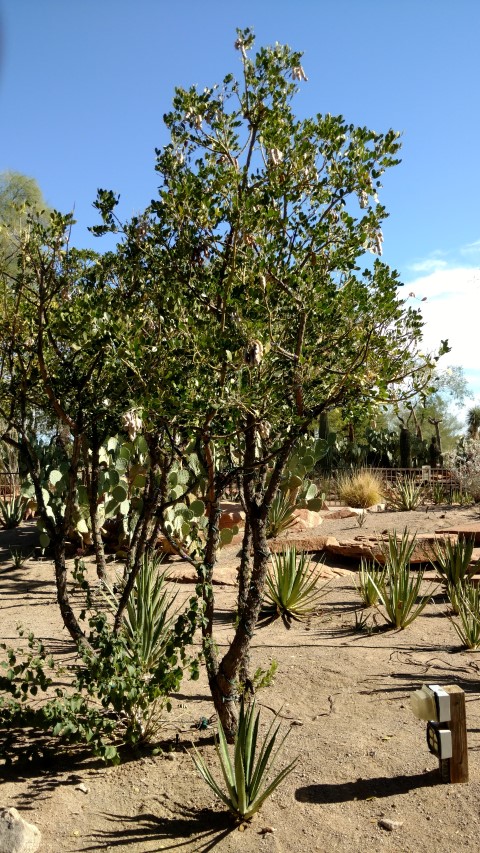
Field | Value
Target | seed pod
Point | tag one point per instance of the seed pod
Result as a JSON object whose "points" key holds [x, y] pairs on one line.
{"points": [[253, 353]]}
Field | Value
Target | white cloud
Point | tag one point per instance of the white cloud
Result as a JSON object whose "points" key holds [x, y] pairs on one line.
{"points": [[428, 265], [471, 248], [452, 311]]}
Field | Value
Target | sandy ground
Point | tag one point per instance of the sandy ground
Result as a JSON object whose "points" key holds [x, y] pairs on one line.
{"points": [[343, 695]]}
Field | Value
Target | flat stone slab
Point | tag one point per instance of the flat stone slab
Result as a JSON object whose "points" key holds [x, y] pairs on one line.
{"points": [[466, 530], [372, 547]]}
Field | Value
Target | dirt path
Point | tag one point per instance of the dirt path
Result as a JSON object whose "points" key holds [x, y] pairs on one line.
{"points": [[344, 696]]}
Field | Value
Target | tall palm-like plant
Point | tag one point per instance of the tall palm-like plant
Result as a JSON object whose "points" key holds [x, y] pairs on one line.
{"points": [[473, 422]]}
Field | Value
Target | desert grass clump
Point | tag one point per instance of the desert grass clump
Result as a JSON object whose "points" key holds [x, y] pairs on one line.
{"points": [[360, 489], [292, 592], [398, 588], [245, 776]]}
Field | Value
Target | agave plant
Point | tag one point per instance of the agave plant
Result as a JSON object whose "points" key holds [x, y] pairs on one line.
{"points": [[467, 598], [12, 511], [399, 589], [292, 591], [370, 574], [245, 776], [406, 494], [453, 560]]}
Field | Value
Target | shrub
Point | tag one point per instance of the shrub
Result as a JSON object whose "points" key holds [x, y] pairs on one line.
{"points": [[361, 489], [465, 461], [291, 589], [245, 778], [119, 687]]}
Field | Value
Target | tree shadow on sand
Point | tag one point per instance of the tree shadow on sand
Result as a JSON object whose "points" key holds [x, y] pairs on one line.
{"points": [[363, 789], [203, 828]]}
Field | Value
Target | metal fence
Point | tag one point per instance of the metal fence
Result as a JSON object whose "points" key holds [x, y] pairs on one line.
{"points": [[441, 478]]}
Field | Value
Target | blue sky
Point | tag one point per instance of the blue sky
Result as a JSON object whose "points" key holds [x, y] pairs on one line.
{"points": [[84, 85]]}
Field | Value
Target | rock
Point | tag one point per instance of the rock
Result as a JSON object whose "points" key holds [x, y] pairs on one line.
{"points": [[83, 788], [16, 835], [371, 547], [389, 825], [303, 540], [232, 515], [339, 513], [305, 519], [465, 530], [330, 572]]}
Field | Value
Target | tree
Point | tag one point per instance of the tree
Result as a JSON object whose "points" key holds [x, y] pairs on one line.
{"points": [[256, 316], [232, 316]]}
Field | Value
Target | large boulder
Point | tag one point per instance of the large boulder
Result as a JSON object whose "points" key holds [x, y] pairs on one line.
{"points": [[232, 515], [16, 834], [306, 519]]}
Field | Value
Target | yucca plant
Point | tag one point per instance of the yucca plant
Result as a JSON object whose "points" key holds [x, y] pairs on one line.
{"points": [[149, 615], [12, 511], [438, 494], [292, 591], [280, 515], [18, 558], [467, 626], [406, 494], [398, 588], [370, 574], [245, 776]]}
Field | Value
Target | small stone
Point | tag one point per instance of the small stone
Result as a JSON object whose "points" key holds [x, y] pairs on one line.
{"points": [[83, 788], [170, 756], [266, 829], [16, 835], [390, 825]]}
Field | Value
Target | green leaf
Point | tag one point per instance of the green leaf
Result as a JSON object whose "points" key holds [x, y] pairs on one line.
{"points": [[44, 540], [119, 493], [198, 508]]}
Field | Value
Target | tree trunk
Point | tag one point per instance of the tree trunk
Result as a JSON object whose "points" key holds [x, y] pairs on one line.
{"points": [[92, 474], [224, 683], [69, 619]]}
